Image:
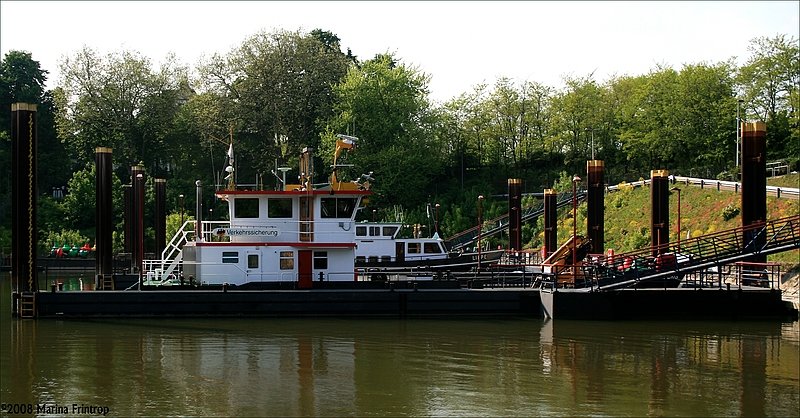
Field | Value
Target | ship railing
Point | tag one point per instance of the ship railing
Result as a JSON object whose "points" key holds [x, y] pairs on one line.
{"points": [[208, 230], [333, 230]]}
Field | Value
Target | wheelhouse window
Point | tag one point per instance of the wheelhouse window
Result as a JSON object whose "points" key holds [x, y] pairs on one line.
{"points": [[338, 207], [432, 248], [374, 231], [361, 231], [245, 207], [320, 260], [230, 257], [345, 207], [279, 208], [389, 231], [287, 260], [413, 248]]}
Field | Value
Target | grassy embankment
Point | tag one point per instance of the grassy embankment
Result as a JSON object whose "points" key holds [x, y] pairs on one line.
{"points": [[703, 211]]}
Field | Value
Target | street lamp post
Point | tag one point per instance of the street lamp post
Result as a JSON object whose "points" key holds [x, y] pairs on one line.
{"points": [[436, 220], [180, 199], [480, 228], [675, 189], [738, 129], [575, 180]]}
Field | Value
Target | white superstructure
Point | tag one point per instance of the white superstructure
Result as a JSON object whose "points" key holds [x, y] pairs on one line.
{"points": [[297, 235], [377, 242]]}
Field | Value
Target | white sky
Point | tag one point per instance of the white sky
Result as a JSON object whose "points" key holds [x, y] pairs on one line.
{"points": [[459, 44]]}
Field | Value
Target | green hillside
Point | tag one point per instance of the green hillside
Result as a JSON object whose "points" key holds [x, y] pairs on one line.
{"points": [[703, 211]]}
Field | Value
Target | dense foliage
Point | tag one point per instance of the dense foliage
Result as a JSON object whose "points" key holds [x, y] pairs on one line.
{"points": [[277, 93]]}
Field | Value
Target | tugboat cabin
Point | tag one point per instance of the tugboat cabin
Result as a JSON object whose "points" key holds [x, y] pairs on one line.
{"points": [[297, 235]]}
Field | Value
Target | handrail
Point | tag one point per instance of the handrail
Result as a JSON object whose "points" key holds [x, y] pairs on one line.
{"points": [[468, 236], [777, 191], [711, 250], [172, 255]]}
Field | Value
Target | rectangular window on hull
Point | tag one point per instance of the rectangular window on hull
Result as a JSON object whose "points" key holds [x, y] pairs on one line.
{"points": [[245, 207], [413, 248], [432, 248], [252, 261], [287, 260], [361, 231], [230, 257]]}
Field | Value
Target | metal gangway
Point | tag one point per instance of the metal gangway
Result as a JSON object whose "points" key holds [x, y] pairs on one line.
{"points": [[691, 255], [169, 265], [469, 236]]}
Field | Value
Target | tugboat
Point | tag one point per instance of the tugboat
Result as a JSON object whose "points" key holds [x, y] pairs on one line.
{"points": [[293, 236]]}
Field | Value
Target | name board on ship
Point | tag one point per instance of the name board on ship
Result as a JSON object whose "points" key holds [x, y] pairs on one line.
{"points": [[247, 232]]}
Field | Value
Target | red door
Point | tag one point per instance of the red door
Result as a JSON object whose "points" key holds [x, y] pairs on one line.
{"points": [[304, 261]]}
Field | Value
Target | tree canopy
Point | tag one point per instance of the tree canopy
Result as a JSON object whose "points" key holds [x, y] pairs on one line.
{"points": [[278, 92]]}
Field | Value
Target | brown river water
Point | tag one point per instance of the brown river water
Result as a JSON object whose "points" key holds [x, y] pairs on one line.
{"points": [[396, 367]]}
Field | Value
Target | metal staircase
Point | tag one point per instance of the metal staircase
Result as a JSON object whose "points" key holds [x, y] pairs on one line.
{"points": [[468, 237], [171, 256], [692, 255]]}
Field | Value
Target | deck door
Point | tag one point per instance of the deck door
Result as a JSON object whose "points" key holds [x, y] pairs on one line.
{"points": [[400, 251], [305, 275], [254, 267]]}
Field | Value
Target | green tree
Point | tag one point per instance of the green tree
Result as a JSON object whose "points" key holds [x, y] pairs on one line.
{"points": [[273, 92], [576, 113], [384, 103], [707, 112], [768, 81], [119, 101], [678, 120], [79, 202], [23, 80]]}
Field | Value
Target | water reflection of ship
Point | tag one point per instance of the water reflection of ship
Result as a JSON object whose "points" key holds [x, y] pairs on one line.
{"points": [[670, 353], [328, 367]]}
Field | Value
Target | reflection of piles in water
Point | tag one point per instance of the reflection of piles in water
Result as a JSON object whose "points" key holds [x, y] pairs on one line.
{"points": [[560, 262]]}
